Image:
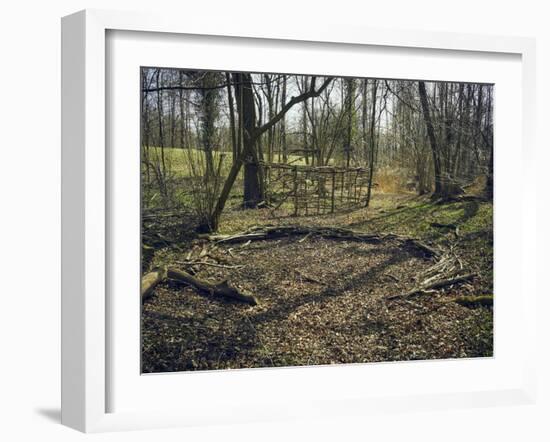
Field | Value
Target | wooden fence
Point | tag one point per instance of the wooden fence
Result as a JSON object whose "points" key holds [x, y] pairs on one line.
{"points": [[314, 190]]}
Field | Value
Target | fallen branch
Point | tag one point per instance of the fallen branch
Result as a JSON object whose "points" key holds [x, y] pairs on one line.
{"points": [[434, 286], [273, 232], [389, 275], [150, 281], [305, 237], [451, 281], [270, 232], [154, 278], [219, 289], [211, 264]]}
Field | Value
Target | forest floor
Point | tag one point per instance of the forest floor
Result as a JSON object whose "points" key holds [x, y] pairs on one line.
{"points": [[326, 301]]}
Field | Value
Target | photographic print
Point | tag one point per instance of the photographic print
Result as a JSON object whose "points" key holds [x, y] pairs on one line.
{"points": [[303, 220]]}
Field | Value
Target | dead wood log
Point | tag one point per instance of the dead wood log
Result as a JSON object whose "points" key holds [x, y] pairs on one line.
{"points": [[223, 288], [150, 281], [273, 232], [447, 282], [211, 264], [219, 289], [434, 286]]}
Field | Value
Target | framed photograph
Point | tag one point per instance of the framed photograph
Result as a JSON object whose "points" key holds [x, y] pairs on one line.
{"points": [[283, 222]]}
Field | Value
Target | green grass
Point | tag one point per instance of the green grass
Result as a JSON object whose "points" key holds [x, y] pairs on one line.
{"points": [[473, 240], [179, 160], [416, 217], [405, 215], [182, 164]]}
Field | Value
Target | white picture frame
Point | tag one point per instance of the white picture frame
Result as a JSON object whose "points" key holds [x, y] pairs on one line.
{"points": [[86, 315]]}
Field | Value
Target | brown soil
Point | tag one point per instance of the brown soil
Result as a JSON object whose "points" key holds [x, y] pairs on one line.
{"points": [[322, 301]]}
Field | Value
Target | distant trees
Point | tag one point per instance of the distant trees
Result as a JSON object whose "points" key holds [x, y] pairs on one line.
{"points": [[430, 136], [350, 114], [465, 133], [208, 110], [436, 153]]}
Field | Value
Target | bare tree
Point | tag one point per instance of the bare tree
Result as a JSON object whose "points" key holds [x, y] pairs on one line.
{"points": [[439, 187], [372, 140], [249, 157]]}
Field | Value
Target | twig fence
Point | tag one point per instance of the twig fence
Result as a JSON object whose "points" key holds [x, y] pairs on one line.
{"points": [[314, 190]]}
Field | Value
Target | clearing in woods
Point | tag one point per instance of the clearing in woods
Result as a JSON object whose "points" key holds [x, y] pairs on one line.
{"points": [[292, 219], [324, 300]]}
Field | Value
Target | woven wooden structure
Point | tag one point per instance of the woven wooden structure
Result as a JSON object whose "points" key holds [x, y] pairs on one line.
{"points": [[314, 190]]}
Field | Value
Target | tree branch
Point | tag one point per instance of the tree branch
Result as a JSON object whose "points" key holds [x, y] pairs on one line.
{"points": [[294, 100], [196, 87]]}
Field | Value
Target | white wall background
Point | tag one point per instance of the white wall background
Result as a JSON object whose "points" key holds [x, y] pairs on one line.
{"points": [[30, 215]]}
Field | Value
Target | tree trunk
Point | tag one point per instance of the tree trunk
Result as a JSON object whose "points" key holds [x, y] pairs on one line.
{"points": [[283, 125], [232, 127], [252, 189], [372, 140], [489, 183], [364, 118], [349, 112], [305, 144], [209, 112], [439, 191], [161, 167]]}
